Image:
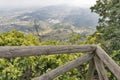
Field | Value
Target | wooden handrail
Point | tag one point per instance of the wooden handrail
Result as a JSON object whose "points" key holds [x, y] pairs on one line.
{"points": [[99, 58], [108, 61], [102, 58], [22, 51]]}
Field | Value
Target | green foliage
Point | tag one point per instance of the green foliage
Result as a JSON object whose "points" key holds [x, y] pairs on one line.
{"points": [[109, 23], [109, 27], [74, 38], [27, 68], [13, 69], [15, 38]]}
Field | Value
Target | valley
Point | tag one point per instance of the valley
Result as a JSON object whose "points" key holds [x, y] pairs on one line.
{"points": [[49, 21]]}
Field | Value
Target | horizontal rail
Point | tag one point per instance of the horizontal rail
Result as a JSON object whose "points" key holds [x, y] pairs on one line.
{"points": [[23, 51]]}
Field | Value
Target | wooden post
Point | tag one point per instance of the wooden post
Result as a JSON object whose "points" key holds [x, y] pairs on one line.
{"points": [[64, 68], [108, 61], [90, 73], [100, 69]]}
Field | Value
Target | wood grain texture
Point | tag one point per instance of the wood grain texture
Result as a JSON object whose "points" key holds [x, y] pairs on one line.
{"points": [[100, 69], [100, 58], [22, 51], [108, 61], [91, 69]]}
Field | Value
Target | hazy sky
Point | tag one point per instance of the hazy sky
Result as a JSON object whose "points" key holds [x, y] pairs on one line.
{"points": [[30, 3]]}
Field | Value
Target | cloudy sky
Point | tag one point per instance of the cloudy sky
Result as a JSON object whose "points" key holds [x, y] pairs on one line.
{"points": [[30, 3]]}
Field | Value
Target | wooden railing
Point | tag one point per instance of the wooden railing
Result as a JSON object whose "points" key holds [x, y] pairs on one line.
{"points": [[98, 59]]}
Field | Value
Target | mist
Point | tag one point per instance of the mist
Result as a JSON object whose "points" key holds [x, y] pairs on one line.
{"points": [[40, 3]]}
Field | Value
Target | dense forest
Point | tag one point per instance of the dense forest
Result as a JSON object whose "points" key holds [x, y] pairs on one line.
{"points": [[26, 68]]}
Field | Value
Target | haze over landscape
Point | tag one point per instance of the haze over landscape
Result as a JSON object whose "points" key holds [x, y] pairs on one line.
{"points": [[50, 16], [33, 3], [59, 39]]}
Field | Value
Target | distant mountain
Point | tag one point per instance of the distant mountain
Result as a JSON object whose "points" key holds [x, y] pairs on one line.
{"points": [[52, 21], [78, 17]]}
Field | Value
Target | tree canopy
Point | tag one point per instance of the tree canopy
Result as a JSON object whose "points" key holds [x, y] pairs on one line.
{"points": [[109, 23], [27, 68]]}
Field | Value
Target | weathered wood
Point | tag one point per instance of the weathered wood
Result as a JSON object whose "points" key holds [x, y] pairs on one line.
{"points": [[23, 51], [91, 69], [64, 68], [108, 61], [17, 51], [100, 69]]}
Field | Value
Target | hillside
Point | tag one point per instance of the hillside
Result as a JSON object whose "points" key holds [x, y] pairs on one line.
{"points": [[50, 19]]}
